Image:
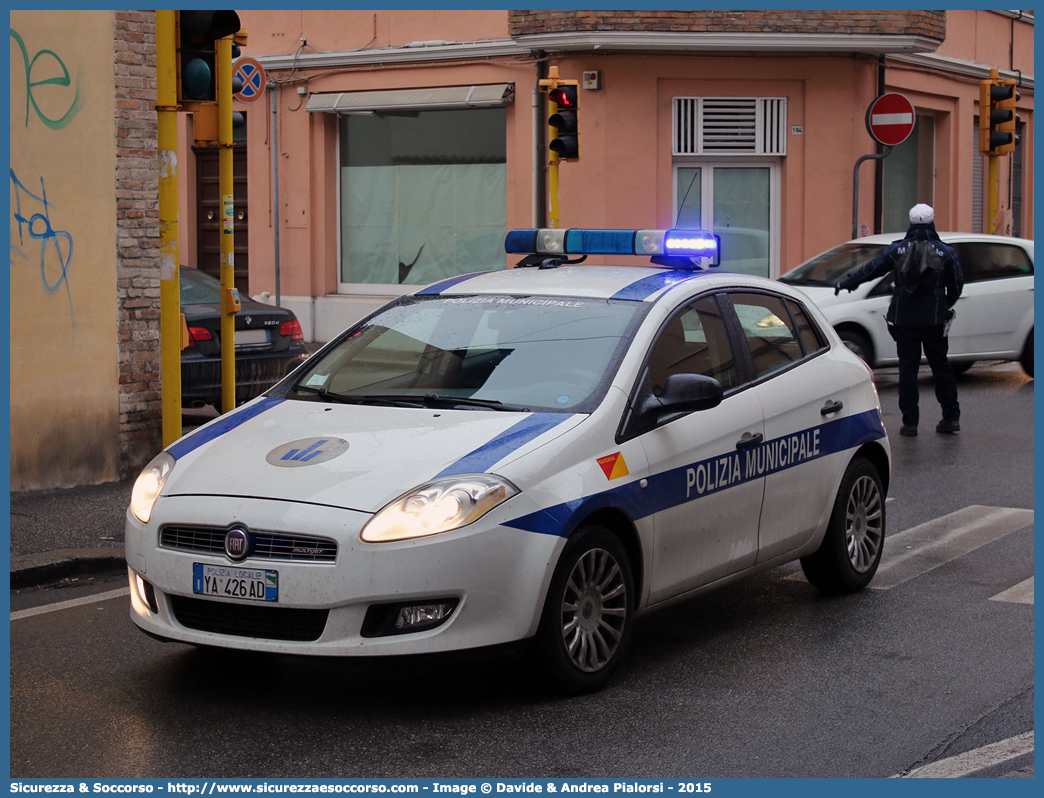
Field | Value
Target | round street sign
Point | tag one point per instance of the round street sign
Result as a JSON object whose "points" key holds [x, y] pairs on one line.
{"points": [[890, 119], [253, 76]]}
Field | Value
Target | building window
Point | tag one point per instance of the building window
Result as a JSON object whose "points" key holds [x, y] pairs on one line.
{"points": [[423, 195], [909, 175], [737, 200]]}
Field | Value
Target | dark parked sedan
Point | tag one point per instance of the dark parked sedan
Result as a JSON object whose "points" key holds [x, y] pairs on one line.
{"points": [[269, 343]]}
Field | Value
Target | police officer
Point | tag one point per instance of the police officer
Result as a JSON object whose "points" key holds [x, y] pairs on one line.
{"points": [[926, 286]]}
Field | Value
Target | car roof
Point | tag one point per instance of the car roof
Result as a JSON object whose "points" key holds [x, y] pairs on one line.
{"points": [[947, 237], [635, 283]]}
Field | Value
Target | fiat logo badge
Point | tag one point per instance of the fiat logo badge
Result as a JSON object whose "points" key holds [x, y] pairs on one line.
{"points": [[237, 544]]}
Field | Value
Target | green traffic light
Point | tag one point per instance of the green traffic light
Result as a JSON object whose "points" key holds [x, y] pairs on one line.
{"points": [[197, 78]]}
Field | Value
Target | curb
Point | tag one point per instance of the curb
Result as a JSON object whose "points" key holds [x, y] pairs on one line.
{"points": [[28, 570]]}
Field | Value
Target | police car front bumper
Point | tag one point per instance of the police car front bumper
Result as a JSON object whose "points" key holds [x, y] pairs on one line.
{"points": [[489, 579]]}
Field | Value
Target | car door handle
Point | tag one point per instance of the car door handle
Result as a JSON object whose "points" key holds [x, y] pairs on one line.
{"points": [[749, 440], [830, 407]]}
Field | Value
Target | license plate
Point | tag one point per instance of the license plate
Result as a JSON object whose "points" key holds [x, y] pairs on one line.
{"points": [[251, 337], [231, 581]]}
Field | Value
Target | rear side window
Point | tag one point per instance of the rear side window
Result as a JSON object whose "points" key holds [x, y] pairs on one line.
{"points": [[771, 335], [811, 338], [992, 261]]}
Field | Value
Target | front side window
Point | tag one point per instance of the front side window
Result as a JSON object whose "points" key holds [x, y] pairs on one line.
{"points": [[694, 342], [423, 195], [549, 354]]}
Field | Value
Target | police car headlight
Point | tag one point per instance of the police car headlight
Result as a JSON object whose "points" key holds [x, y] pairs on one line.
{"points": [[438, 506], [148, 485]]}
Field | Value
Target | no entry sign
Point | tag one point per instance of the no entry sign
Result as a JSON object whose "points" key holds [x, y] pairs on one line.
{"points": [[890, 119]]}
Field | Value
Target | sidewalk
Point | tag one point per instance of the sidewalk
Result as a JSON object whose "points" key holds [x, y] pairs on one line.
{"points": [[67, 532]]}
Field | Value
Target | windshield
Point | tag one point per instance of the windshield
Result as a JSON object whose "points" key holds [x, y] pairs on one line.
{"points": [[198, 288], [833, 265], [552, 354]]}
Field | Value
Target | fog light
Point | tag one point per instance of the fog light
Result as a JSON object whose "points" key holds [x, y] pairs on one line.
{"points": [[421, 614], [146, 593], [400, 618]]}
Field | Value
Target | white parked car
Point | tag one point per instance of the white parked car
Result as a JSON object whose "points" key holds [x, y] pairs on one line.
{"points": [[994, 314], [538, 454]]}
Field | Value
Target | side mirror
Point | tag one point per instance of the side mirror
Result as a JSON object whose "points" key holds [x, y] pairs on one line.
{"points": [[683, 393]]}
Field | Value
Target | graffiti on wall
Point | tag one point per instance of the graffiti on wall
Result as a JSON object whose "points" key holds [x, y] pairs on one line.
{"points": [[37, 226], [31, 209], [49, 57]]}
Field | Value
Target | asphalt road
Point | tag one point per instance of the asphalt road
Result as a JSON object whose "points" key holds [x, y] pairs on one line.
{"points": [[764, 678]]}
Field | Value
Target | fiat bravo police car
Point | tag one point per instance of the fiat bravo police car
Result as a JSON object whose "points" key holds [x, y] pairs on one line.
{"points": [[538, 454]]}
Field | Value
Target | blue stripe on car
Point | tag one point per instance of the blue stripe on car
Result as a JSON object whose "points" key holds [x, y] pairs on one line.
{"points": [[505, 443], [438, 288], [222, 425], [640, 290], [690, 482]]}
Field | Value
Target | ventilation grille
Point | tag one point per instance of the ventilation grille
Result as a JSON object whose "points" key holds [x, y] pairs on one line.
{"points": [[263, 545], [242, 620], [730, 126]]}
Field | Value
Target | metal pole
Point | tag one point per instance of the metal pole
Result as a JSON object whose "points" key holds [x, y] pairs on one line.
{"points": [[994, 178], [273, 89], [223, 68], [170, 288], [855, 187]]}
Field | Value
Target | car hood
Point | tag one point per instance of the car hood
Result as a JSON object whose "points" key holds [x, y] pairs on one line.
{"points": [[351, 456]]}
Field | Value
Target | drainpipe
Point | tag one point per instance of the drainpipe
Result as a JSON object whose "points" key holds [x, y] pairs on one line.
{"points": [[273, 96], [879, 170], [539, 148]]}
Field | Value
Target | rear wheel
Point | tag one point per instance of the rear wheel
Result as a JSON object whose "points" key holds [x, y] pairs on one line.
{"points": [[588, 613], [858, 343], [1027, 355], [851, 550]]}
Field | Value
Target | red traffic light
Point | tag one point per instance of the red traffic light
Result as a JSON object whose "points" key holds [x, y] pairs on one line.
{"points": [[563, 96]]}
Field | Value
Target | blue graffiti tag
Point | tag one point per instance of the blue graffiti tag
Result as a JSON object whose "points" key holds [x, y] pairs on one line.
{"points": [[39, 228]]}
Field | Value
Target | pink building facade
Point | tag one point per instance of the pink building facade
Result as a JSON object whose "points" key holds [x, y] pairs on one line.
{"points": [[408, 142]]}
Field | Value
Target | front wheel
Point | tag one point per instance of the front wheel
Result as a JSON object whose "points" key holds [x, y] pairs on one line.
{"points": [[851, 550], [589, 611]]}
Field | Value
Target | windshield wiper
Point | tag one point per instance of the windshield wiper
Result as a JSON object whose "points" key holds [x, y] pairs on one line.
{"points": [[388, 401], [467, 401]]}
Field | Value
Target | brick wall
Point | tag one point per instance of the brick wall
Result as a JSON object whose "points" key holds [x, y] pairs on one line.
{"points": [[137, 240], [891, 22]]}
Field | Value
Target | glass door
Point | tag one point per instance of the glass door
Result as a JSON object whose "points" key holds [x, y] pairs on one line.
{"points": [[735, 201]]}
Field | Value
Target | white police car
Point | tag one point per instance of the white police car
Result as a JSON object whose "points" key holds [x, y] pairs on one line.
{"points": [[543, 452]]}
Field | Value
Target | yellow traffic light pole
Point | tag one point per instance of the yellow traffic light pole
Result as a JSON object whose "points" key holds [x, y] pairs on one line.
{"points": [[997, 117], [546, 85], [170, 301], [229, 306]]}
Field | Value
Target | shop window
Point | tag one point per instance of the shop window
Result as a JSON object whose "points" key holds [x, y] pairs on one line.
{"points": [[423, 195]]}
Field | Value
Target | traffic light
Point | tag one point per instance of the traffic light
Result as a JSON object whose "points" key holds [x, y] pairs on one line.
{"points": [[997, 116], [197, 31], [565, 121]]}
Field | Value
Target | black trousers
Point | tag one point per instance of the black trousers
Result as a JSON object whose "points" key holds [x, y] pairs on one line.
{"points": [[909, 340]]}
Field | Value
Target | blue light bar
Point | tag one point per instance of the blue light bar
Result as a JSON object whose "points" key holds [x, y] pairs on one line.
{"points": [[587, 241], [691, 243]]}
